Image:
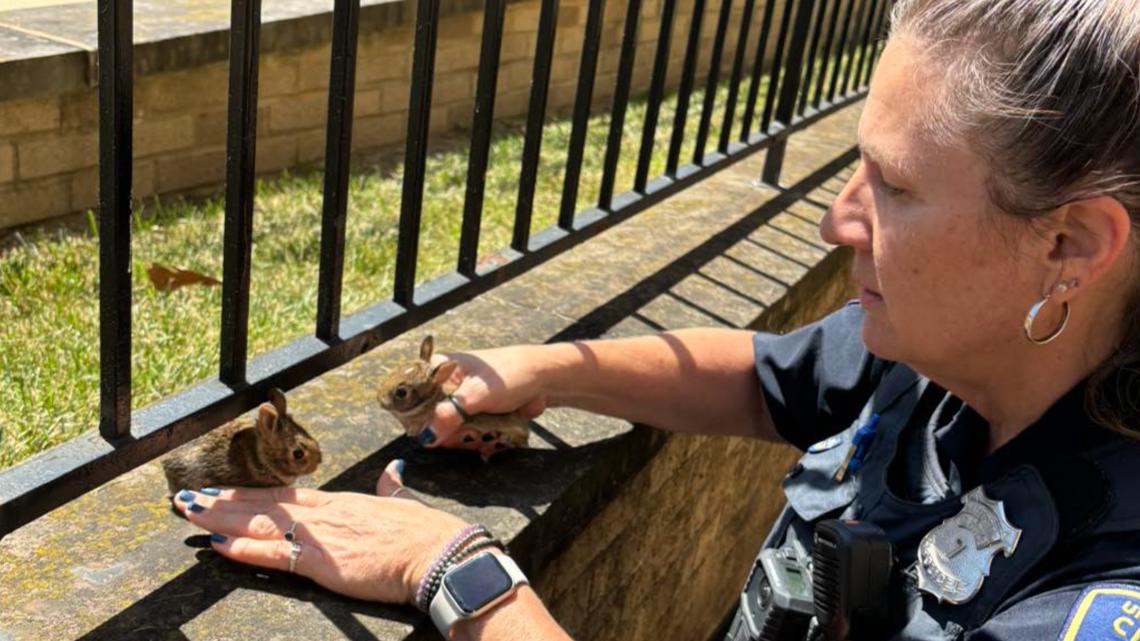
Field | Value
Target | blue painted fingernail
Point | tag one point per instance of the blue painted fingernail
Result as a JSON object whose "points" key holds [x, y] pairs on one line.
{"points": [[400, 465], [194, 507], [217, 538], [186, 496], [427, 437], [210, 491]]}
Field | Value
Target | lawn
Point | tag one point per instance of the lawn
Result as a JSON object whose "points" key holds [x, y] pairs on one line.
{"points": [[49, 278]]}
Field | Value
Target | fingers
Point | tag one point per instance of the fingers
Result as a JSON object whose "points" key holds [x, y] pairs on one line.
{"points": [[533, 409], [445, 423], [391, 480], [465, 438], [270, 495], [272, 554], [238, 518], [391, 483]]}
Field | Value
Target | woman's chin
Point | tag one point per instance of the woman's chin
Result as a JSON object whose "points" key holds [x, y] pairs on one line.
{"points": [[879, 338]]}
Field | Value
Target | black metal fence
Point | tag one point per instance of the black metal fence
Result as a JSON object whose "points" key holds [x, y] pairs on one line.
{"points": [[824, 51]]}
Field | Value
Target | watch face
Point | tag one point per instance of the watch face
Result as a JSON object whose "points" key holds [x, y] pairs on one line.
{"points": [[477, 583]]}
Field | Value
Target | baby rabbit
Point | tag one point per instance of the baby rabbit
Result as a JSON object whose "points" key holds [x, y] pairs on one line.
{"points": [[412, 389], [275, 450]]}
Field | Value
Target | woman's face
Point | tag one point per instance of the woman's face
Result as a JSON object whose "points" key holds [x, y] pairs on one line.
{"points": [[946, 280]]}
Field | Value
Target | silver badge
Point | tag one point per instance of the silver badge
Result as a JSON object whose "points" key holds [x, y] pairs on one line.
{"points": [[826, 444], [954, 558]]}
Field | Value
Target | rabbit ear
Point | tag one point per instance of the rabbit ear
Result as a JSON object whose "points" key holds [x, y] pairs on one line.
{"points": [[277, 397], [443, 371], [266, 419], [426, 348]]}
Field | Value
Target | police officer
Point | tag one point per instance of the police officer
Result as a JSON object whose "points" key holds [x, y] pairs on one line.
{"points": [[979, 403]]}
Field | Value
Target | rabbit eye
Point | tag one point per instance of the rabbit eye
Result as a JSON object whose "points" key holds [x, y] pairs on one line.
{"points": [[298, 454], [401, 393]]}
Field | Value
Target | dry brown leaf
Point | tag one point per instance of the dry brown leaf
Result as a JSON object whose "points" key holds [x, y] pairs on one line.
{"points": [[168, 279]]}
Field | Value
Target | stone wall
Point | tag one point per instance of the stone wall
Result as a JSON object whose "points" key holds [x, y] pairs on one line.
{"points": [[49, 143]]}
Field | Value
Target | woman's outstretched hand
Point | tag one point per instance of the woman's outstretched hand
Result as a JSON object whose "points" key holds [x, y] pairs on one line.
{"points": [[375, 548], [490, 381]]}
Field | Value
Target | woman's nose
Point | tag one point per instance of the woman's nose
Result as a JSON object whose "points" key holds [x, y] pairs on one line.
{"points": [[848, 220]]}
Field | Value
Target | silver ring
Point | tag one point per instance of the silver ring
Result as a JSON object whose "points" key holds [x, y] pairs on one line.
{"points": [[294, 554], [396, 492], [289, 534], [459, 408]]}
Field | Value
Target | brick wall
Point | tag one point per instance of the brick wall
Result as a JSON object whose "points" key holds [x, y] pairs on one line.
{"points": [[48, 145]]}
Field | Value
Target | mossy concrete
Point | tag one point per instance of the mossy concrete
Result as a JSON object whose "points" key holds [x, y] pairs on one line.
{"points": [[117, 564]]}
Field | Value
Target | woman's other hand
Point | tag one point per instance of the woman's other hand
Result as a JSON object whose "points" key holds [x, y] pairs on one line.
{"points": [[492, 381], [375, 548]]}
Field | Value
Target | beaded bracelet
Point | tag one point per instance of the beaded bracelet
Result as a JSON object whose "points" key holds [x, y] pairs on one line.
{"points": [[436, 581], [435, 572]]}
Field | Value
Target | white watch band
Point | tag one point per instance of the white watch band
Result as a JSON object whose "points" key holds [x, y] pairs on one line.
{"points": [[445, 612]]}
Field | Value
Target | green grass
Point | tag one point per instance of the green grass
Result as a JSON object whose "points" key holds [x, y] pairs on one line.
{"points": [[49, 348]]}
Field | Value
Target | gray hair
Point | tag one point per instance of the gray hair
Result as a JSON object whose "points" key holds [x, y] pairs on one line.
{"points": [[1048, 92]]}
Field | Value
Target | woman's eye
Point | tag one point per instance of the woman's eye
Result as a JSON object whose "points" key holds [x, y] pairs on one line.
{"points": [[894, 191], [890, 189]]}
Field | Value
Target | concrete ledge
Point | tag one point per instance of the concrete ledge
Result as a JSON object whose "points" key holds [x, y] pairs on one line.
{"points": [[606, 518]]}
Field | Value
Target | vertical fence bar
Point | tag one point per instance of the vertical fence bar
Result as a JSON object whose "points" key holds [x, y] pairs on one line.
{"points": [[587, 69], [711, 83], [832, 25], [774, 161], [116, 109], [415, 153], [734, 79], [865, 16], [692, 48], [338, 147], [536, 113], [757, 69], [863, 45], [876, 34], [852, 47], [241, 155], [840, 46], [882, 32], [656, 93], [776, 77], [621, 101], [481, 125], [813, 50]]}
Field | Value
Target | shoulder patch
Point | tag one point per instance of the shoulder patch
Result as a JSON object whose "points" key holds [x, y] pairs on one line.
{"points": [[1104, 611]]}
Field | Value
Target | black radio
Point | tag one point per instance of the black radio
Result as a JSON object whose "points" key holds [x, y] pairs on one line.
{"points": [[837, 594], [851, 570]]}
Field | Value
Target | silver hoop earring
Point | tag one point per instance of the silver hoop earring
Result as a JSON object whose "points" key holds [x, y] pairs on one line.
{"points": [[1032, 316]]}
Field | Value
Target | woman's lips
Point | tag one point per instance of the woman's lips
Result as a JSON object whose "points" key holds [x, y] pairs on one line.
{"points": [[869, 297]]}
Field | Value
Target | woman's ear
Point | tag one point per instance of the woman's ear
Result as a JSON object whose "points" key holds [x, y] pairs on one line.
{"points": [[1089, 238]]}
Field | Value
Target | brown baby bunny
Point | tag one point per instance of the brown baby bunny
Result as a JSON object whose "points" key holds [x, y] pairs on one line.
{"points": [[274, 450], [411, 390]]}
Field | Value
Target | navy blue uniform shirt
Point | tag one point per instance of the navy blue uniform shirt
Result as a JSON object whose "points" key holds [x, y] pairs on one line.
{"points": [[1066, 482]]}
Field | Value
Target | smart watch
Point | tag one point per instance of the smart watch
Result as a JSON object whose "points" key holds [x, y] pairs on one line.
{"points": [[473, 587]]}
